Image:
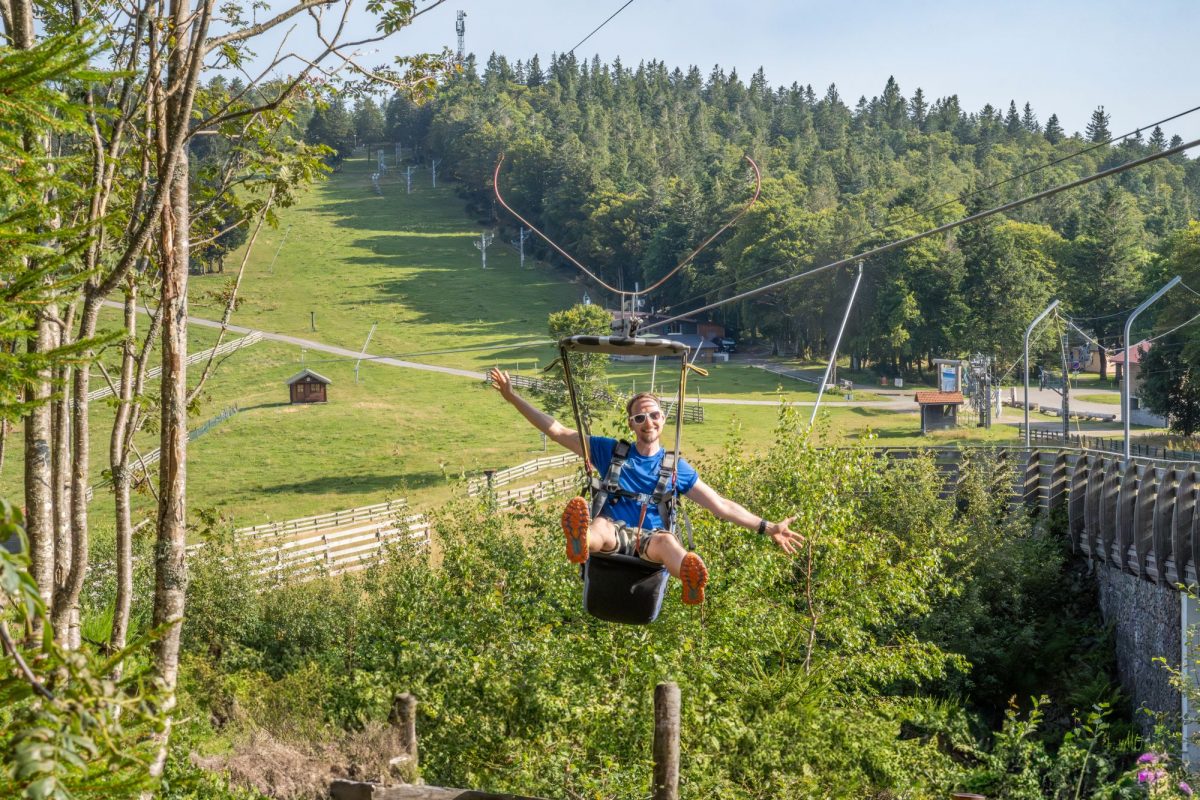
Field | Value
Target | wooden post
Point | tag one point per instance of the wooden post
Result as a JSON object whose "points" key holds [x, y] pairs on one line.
{"points": [[666, 742], [404, 718]]}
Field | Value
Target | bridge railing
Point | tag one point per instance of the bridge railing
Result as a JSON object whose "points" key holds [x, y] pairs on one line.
{"points": [[1110, 444], [1140, 516]]}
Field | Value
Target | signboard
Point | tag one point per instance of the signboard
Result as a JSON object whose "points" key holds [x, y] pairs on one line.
{"points": [[948, 378]]}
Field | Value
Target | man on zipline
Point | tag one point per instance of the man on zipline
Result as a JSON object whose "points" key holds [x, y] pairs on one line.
{"points": [[630, 527]]}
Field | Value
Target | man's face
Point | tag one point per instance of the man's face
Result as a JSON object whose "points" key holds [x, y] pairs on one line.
{"points": [[651, 420]]}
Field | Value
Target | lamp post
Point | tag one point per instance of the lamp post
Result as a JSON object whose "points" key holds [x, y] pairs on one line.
{"points": [[1028, 332], [1125, 382]]}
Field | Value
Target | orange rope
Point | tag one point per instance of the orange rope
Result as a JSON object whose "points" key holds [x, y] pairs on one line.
{"points": [[592, 275]]}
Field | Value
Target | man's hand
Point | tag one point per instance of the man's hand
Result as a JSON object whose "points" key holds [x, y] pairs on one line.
{"points": [[502, 383], [784, 536]]}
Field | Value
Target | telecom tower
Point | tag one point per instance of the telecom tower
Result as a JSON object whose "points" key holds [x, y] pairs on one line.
{"points": [[460, 26]]}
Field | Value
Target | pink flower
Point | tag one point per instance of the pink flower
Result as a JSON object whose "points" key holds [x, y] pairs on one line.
{"points": [[1148, 758], [1143, 776], [1185, 789]]}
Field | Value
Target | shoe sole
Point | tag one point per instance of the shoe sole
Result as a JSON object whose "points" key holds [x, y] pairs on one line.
{"points": [[694, 577], [575, 521]]}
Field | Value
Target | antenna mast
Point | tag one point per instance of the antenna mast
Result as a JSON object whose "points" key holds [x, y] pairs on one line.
{"points": [[460, 27]]}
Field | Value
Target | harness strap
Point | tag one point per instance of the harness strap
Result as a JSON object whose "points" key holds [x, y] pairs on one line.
{"points": [[663, 497], [609, 485]]}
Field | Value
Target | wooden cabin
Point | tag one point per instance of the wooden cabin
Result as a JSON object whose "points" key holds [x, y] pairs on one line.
{"points": [[939, 410], [307, 386]]}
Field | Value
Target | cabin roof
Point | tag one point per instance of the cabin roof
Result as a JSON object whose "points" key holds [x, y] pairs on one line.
{"points": [[307, 373]]}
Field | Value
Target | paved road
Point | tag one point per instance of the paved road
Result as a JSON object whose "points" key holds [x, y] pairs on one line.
{"points": [[323, 348], [897, 399]]}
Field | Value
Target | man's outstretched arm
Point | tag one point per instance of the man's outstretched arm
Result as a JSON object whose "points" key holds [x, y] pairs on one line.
{"points": [[545, 423], [707, 498]]}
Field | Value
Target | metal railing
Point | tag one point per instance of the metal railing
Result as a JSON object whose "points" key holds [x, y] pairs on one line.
{"points": [[1110, 445]]}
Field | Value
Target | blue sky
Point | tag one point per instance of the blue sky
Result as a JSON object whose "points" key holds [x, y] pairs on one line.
{"points": [[1067, 57]]}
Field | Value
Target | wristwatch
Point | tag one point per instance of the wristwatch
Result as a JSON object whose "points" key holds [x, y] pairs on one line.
{"points": [[762, 527]]}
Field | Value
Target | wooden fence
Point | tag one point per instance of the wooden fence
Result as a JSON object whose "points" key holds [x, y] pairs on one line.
{"points": [[538, 491], [216, 352], [506, 476], [333, 519], [335, 552]]}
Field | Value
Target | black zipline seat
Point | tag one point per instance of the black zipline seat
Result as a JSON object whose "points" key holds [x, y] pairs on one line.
{"points": [[619, 588], [623, 589]]}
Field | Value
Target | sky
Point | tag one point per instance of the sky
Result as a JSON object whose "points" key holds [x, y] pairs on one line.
{"points": [[1062, 56]]}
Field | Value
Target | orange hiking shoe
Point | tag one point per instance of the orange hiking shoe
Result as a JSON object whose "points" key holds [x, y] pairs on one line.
{"points": [[694, 576], [575, 520]]}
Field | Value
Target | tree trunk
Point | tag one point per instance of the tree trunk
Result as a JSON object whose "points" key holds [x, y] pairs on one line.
{"points": [[170, 568], [39, 476], [39, 495], [60, 468], [1103, 364], [66, 604], [118, 459]]}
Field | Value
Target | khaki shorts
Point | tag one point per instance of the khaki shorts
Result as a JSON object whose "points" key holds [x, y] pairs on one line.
{"points": [[632, 541]]}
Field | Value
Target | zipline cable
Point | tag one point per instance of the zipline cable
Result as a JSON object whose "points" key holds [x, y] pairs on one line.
{"points": [[601, 25], [899, 243], [961, 198]]}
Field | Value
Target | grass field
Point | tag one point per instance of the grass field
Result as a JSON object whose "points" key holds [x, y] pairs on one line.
{"points": [[407, 262], [1110, 398]]}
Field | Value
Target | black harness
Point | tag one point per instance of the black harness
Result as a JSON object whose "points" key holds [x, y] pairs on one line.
{"points": [[664, 496]]}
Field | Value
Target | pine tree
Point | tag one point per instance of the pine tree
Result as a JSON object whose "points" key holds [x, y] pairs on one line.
{"points": [[1054, 132], [919, 108], [1029, 121], [1097, 128], [533, 73], [1012, 121], [894, 107], [1158, 140]]}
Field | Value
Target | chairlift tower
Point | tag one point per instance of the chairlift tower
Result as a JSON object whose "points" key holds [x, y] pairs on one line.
{"points": [[981, 379], [408, 178], [382, 163], [460, 27], [433, 162], [485, 239], [521, 243]]}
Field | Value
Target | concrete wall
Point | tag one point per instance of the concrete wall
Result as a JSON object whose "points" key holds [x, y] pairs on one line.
{"points": [[1146, 621]]}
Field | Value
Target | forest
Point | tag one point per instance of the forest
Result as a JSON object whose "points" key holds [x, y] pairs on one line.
{"points": [[629, 168]]}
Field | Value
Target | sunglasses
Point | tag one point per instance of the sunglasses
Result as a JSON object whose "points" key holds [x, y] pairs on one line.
{"points": [[638, 419]]}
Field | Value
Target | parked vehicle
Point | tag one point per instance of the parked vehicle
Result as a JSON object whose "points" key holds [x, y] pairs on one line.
{"points": [[725, 344]]}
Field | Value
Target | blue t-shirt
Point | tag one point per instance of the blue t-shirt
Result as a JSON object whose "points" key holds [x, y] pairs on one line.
{"points": [[639, 475]]}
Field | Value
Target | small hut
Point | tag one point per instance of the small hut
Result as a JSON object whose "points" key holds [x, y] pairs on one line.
{"points": [[307, 386], [939, 410]]}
